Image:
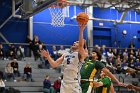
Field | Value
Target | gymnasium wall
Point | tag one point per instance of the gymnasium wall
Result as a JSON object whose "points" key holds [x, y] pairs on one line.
{"points": [[103, 35], [15, 30], [116, 31], [56, 35]]}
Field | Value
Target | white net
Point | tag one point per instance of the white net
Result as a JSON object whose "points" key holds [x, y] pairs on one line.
{"points": [[57, 16]]}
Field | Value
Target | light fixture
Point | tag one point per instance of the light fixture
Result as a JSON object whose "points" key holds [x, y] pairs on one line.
{"points": [[124, 32], [134, 37]]}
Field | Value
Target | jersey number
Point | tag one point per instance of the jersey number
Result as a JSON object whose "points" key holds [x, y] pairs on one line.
{"points": [[68, 61]]}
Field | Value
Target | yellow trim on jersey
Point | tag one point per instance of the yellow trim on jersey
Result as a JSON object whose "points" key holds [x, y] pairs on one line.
{"points": [[90, 62], [86, 66], [104, 90], [92, 76]]}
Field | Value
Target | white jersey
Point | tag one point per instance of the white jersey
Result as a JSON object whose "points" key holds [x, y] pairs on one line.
{"points": [[71, 67]]}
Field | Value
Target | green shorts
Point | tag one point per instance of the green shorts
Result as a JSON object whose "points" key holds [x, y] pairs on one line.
{"points": [[86, 87]]}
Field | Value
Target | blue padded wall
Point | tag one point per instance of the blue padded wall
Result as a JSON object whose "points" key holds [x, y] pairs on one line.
{"points": [[15, 30], [57, 35], [116, 32]]}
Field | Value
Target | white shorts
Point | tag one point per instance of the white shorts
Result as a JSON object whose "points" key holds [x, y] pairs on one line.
{"points": [[70, 88]]}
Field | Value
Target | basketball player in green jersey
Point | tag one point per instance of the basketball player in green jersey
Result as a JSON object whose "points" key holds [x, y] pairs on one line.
{"points": [[103, 84], [89, 70]]}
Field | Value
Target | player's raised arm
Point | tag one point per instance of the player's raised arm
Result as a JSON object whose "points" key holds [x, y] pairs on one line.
{"points": [[109, 74], [130, 86], [53, 63], [82, 43], [82, 19], [81, 38]]}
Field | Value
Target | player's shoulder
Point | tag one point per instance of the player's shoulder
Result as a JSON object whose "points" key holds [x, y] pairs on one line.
{"points": [[107, 78]]}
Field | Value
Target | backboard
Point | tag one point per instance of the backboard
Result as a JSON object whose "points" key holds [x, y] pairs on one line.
{"points": [[32, 7]]}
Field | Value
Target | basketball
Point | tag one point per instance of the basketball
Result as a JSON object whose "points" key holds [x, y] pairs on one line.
{"points": [[82, 18]]}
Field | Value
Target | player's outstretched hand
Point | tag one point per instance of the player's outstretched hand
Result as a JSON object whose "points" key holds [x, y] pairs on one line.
{"points": [[82, 27], [97, 84], [122, 84], [44, 53], [130, 86]]}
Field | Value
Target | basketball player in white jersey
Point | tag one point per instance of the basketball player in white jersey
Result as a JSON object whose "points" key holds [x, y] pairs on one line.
{"points": [[71, 64]]}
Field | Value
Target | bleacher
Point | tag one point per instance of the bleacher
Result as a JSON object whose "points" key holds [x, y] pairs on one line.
{"points": [[39, 74]]}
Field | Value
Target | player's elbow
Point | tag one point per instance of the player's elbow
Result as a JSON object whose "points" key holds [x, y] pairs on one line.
{"points": [[106, 71], [54, 66]]}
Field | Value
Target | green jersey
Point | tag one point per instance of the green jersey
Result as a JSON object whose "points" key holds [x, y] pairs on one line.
{"points": [[90, 68], [88, 71], [106, 85]]}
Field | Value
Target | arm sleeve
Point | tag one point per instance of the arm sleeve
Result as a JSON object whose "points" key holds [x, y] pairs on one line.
{"points": [[99, 65]]}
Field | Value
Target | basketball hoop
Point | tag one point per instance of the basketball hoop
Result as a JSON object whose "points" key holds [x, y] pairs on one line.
{"points": [[58, 14]]}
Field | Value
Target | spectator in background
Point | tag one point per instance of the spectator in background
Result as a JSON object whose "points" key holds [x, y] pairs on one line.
{"points": [[55, 53], [115, 44], [125, 52], [47, 88], [14, 64], [98, 47], [20, 53], [57, 85], [28, 47], [2, 84], [111, 64], [11, 52], [120, 53], [109, 52], [131, 52], [131, 68], [118, 65], [131, 64], [137, 65], [137, 54], [9, 72], [35, 46], [27, 72], [1, 52], [131, 57], [124, 66], [131, 45], [42, 59], [104, 53], [61, 51], [125, 56], [115, 53]]}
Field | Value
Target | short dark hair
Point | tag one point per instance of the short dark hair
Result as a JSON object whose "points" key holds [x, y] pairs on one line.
{"points": [[47, 76], [98, 54]]}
